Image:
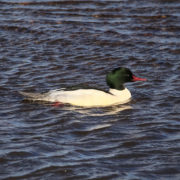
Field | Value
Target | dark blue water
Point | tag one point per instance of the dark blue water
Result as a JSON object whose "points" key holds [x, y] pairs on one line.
{"points": [[48, 44]]}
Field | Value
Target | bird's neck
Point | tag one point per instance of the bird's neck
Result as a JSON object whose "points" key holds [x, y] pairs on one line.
{"points": [[119, 87]]}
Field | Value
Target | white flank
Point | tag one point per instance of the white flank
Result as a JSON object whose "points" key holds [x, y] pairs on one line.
{"points": [[87, 97]]}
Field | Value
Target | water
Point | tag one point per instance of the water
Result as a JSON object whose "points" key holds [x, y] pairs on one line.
{"points": [[50, 44]]}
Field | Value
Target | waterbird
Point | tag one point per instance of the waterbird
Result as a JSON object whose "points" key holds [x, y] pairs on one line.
{"points": [[117, 93]]}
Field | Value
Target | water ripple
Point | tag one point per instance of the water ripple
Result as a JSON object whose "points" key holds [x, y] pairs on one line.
{"points": [[49, 45]]}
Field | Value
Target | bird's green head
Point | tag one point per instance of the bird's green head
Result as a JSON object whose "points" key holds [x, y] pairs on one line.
{"points": [[116, 78]]}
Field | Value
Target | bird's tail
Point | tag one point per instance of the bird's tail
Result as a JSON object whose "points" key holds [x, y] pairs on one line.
{"points": [[34, 96]]}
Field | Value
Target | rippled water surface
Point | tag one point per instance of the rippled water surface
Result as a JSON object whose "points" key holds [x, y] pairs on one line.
{"points": [[48, 44]]}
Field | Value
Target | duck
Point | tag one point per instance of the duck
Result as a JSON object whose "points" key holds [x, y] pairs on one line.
{"points": [[117, 93]]}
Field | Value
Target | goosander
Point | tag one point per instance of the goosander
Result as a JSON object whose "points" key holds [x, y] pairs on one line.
{"points": [[117, 93]]}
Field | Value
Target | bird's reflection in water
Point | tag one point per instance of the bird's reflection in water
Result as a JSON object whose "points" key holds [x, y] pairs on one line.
{"points": [[99, 111]]}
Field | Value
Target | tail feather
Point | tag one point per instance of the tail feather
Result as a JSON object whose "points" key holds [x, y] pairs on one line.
{"points": [[34, 96]]}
